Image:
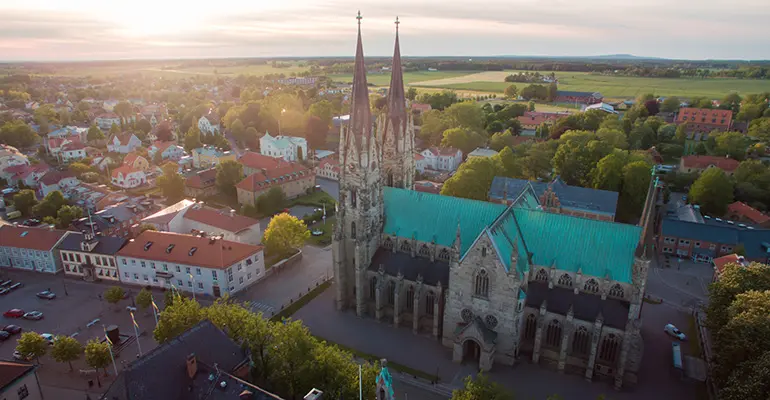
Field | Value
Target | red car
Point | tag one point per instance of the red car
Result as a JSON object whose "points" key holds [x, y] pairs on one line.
{"points": [[14, 313]]}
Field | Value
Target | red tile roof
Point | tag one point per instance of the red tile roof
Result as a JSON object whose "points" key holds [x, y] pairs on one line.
{"points": [[131, 158], [537, 118], [258, 161], [422, 107], [220, 219], [418, 157], [262, 181], [34, 238], [53, 177], [335, 165], [202, 179], [720, 262], [707, 116], [73, 146], [747, 211], [124, 169], [209, 253], [162, 146], [703, 162]]}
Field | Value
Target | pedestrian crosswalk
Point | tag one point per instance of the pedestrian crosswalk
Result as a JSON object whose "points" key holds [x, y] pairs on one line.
{"points": [[256, 307]]}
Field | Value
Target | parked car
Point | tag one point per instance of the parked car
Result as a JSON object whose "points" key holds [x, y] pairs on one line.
{"points": [[45, 294], [15, 286], [48, 337], [6, 283], [20, 357], [14, 313], [34, 315], [4, 336], [672, 330], [4, 291], [12, 329]]}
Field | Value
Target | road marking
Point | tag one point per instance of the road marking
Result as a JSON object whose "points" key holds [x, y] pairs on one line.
{"points": [[266, 309]]}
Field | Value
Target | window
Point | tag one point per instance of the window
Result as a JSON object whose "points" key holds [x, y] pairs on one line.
{"points": [[248, 276], [430, 300], [553, 334], [152, 265], [124, 261], [424, 251], [67, 268], [373, 288], [230, 275], [712, 246], [189, 283], [240, 266], [405, 246], [214, 274], [179, 282], [491, 321], [616, 291], [530, 327], [136, 276], [353, 198], [248, 261], [481, 287], [392, 293], [697, 244], [178, 269], [133, 262], [541, 276], [78, 257], [240, 280], [443, 255], [608, 351], [125, 274], [353, 230], [466, 315], [388, 244], [143, 264], [580, 341], [187, 270], [591, 286], [23, 392], [669, 240], [410, 298], [197, 271], [146, 278], [200, 285], [155, 280], [565, 280]]}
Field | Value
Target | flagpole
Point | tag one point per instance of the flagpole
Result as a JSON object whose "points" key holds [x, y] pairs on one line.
{"points": [[112, 357], [360, 384], [154, 311], [136, 332]]}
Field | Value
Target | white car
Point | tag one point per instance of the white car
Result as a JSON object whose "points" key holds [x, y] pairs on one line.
{"points": [[671, 330], [48, 337]]}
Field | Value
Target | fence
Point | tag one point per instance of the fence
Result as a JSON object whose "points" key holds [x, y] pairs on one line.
{"points": [[705, 344]]}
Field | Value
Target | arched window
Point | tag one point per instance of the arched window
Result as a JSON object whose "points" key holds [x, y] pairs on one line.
{"points": [[483, 251], [443, 255], [410, 299], [373, 288], [353, 198], [392, 293], [353, 230], [481, 287], [424, 251], [608, 351], [591, 286], [388, 245], [616, 291], [580, 341], [405, 246], [430, 300], [541, 276], [530, 327], [565, 280], [553, 334]]}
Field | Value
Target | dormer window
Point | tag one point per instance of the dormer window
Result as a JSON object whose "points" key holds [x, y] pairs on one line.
{"points": [[192, 251], [147, 246], [170, 247]]}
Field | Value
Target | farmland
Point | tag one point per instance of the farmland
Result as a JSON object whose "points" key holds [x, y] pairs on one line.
{"points": [[383, 79], [168, 69]]}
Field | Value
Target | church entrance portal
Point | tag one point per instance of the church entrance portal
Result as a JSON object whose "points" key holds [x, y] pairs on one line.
{"points": [[471, 351]]}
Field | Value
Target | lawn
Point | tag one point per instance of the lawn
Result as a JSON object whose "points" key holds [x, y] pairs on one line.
{"points": [[326, 238], [317, 199]]}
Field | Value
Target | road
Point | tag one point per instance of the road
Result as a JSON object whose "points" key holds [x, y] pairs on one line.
{"points": [[329, 186]]}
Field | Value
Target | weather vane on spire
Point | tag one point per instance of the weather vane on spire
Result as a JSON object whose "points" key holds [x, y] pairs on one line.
{"points": [[397, 23], [359, 17]]}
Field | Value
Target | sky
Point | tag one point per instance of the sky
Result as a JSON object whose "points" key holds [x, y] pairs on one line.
{"points": [[51, 30]]}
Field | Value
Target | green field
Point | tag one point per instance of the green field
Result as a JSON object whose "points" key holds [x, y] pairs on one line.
{"points": [[383, 79], [172, 70]]}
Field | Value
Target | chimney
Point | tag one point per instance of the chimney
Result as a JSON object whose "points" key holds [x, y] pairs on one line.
{"points": [[313, 394], [192, 365]]}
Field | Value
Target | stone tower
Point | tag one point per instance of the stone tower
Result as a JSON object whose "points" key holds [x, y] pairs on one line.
{"points": [[360, 209], [395, 130]]}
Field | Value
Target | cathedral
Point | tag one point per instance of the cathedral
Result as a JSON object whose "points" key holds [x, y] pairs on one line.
{"points": [[495, 283]]}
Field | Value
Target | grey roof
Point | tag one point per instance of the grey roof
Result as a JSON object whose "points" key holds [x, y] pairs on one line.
{"points": [[161, 374], [572, 197], [577, 94], [432, 272], [688, 213], [120, 212], [108, 245], [755, 241], [584, 306]]}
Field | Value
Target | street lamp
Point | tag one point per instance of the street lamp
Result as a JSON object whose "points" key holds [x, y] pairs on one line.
{"points": [[193, 287], [283, 110]]}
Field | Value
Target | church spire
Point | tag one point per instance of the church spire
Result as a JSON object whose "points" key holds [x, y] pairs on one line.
{"points": [[360, 113], [396, 95]]}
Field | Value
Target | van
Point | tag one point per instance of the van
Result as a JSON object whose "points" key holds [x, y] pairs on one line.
{"points": [[13, 215]]}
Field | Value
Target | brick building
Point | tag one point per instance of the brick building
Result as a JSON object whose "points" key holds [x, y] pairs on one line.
{"points": [[705, 120], [699, 164]]}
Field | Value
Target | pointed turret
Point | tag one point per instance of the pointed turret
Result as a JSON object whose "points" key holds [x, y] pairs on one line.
{"points": [[396, 95], [360, 112]]}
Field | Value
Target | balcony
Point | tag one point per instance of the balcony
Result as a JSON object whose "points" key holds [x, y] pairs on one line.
{"points": [[164, 274]]}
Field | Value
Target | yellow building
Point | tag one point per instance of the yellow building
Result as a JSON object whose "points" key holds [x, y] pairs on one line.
{"points": [[209, 156]]}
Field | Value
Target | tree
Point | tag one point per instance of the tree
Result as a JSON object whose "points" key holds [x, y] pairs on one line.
{"points": [[18, 134], [163, 131], [462, 139], [465, 115], [123, 110], [171, 183], [229, 173], [272, 201], [511, 91], [670, 104], [114, 129], [636, 182], [66, 215], [78, 168], [32, 346], [732, 102], [192, 140], [97, 355], [473, 179], [285, 233], [552, 92], [713, 191], [608, 174], [24, 201], [500, 140], [114, 294], [144, 125], [50, 205], [411, 94], [731, 144], [531, 106], [642, 136], [324, 110], [576, 156], [433, 126], [143, 299], [481, 388], [511, 165], [316, 131], [614, 138], [94, 133], [66, 349], [760, 129]]}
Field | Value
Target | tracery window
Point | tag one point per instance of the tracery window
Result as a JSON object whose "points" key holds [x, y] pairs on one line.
{"points": [[530, 327], [353, 230], [392, 293], [565, 280], [608, 351], [491, 321], [553, 334], [410, 298], [481, 287], [591, 286], [616, 291], [580, 341], [443, 255], [373, 288], [541, 276], [388, 245], [466, 315], [405, 246], [424, 251], [430, 300]]}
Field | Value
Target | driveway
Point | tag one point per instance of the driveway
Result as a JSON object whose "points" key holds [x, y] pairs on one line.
{"points": [[329, 186]]}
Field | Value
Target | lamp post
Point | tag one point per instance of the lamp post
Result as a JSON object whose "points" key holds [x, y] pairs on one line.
{"points": [[193, 287], [283, 110]]}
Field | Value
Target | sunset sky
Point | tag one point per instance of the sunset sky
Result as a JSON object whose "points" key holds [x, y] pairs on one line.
{"points": [[99, 29]]}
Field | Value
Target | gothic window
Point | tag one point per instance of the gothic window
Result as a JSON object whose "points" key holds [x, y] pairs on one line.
{"points": [[392, 293], [390, 180], [541, 276], [616, 291], [553, 334], [405, 246], [373, 288], [591, 286], [353, 230], [466, 315], [483, 251], [530, 327], [353, 198], [565, 280], [481, 288], [430, 300], [388, 245], [424, 251], [580, 341], [410, 299], [443, 255], [491, 321], [608, 351]]}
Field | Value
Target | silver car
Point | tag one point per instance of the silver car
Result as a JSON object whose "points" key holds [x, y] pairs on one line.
{"points": [[33, 315]]}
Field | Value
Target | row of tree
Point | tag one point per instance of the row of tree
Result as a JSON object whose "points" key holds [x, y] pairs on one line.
{"points": [[53, 209]]}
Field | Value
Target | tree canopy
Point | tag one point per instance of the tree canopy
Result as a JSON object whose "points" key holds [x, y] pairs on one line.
{"points": [[713, 191], [481, 388], [285, 233], [171, 183], [66, 349], [31, 345], [229, 174], [473, 179]]}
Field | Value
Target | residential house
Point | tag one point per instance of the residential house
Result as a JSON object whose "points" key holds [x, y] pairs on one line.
{"points": [[721, 262], [188, 217], [210, 156], [106, 120], [428, 187], [558, 197], [32, 249], [10, 156], [294, 180], [109, 105], [168, 150], [68, 132], [27, 174], [746, 214], [563, 96], [482, 152], [420, 108], [117, 216], [201, 184], [209, 123], [103, 162], [72, 152], [254, 162], [531, 120], [705, 120], [57, 180], [32, 105], [127, 177], [136, 161], [328, 168], [124, 143], [89, 256], [441, 159], [699, 164], [54, 145], [18, 380], [321, 154], [154, 113], [289, 148], [201, 265], [607, 108]]}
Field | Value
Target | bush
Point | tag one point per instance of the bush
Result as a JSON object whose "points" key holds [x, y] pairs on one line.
{"points": [[114, 294]]}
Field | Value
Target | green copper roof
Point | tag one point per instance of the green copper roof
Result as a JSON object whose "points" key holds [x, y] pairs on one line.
{"points": [[432, 217]]}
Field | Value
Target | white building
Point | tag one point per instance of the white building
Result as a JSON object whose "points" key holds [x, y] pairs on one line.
{"points": [[124, 143], [90, 257], [69, 131], [205, 266], [209, 123], [608, 108], [328, 168], [127, 177], [73, 152], [168, 150], [56, 180], [289, 148], [106, 120], [10, 156], [188, 216], [440, 159], [32, 249], [482, 152]]}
